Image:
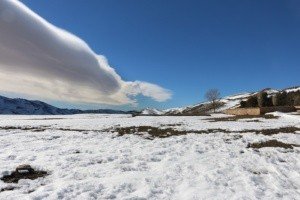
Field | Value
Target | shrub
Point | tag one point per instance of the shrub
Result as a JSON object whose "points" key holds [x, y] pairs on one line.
{"points": [[283, 99], [268, 102], [262, 99], [289, 101], [292, 97], [286, 99], [297, 100], [251, 102], [279, 99], [243, 104]]}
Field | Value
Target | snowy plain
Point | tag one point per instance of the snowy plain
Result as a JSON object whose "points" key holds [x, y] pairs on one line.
{"points": [[86, 161]]}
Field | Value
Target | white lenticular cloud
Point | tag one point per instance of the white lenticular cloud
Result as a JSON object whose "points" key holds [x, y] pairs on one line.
{"points": [[147, 89], [39, 59]]}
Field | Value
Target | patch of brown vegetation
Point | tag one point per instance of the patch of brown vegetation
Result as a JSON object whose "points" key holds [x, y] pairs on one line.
{"points": [[289, 129], [8, 188], [171, 124], [152, 131], [45, 119], [17, 175], [25, 128], [42, 128], [158, 132], [270, 117], [271, 143], [76, 130], [238, 117]]}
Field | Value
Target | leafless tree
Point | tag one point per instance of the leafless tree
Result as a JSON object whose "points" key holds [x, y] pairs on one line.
{"points": [[213, 95]]}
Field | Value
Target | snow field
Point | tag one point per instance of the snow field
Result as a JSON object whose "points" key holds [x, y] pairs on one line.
{"points": [[99, 165]]}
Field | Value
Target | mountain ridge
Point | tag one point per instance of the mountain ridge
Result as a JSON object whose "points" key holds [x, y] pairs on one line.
{"points": [[19, 106]]}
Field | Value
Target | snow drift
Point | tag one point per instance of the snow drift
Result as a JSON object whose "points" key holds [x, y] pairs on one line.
{"points": [[39, 59]]}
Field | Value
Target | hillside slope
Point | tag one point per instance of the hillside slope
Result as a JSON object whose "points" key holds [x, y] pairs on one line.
{"points": [[11, 106], [224, 103]]}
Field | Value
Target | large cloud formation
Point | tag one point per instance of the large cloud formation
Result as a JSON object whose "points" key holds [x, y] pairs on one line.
{"points": [[39, 59]]}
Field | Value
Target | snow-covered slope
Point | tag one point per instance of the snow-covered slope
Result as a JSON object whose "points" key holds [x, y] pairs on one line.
{"points": [[27, 107], [204, 107], [225, 103]]}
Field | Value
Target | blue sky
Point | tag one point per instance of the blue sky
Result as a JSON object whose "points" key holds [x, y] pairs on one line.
{"points": [[190, 46]]}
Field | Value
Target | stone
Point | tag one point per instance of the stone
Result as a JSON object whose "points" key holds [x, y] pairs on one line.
{"points": [[22, 169]]}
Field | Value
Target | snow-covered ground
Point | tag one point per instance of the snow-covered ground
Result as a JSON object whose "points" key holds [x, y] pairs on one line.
{"points": [[85, 161]]}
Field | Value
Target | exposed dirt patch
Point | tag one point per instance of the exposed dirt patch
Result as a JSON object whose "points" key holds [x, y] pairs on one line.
{"points": [[236, 118], [271, 143]]}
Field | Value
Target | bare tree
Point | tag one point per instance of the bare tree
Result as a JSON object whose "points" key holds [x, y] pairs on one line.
{"points": [[213, 95]]}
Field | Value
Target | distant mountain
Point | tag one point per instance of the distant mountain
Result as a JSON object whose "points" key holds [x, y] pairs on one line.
{"points": [[151, 111], [11, 106], [205, 107]]}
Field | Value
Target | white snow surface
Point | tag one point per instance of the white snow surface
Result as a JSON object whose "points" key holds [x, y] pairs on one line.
{"points": [[193, 166], [294, 89]]}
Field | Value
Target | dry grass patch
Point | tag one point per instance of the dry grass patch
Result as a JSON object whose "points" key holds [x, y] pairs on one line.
{"points": [[272, 143], [164, 131], [159, 132], [172, 124], [238, 117], [45, 119], [25, 128], [29, 173], [289, 129], [8, 188]]}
